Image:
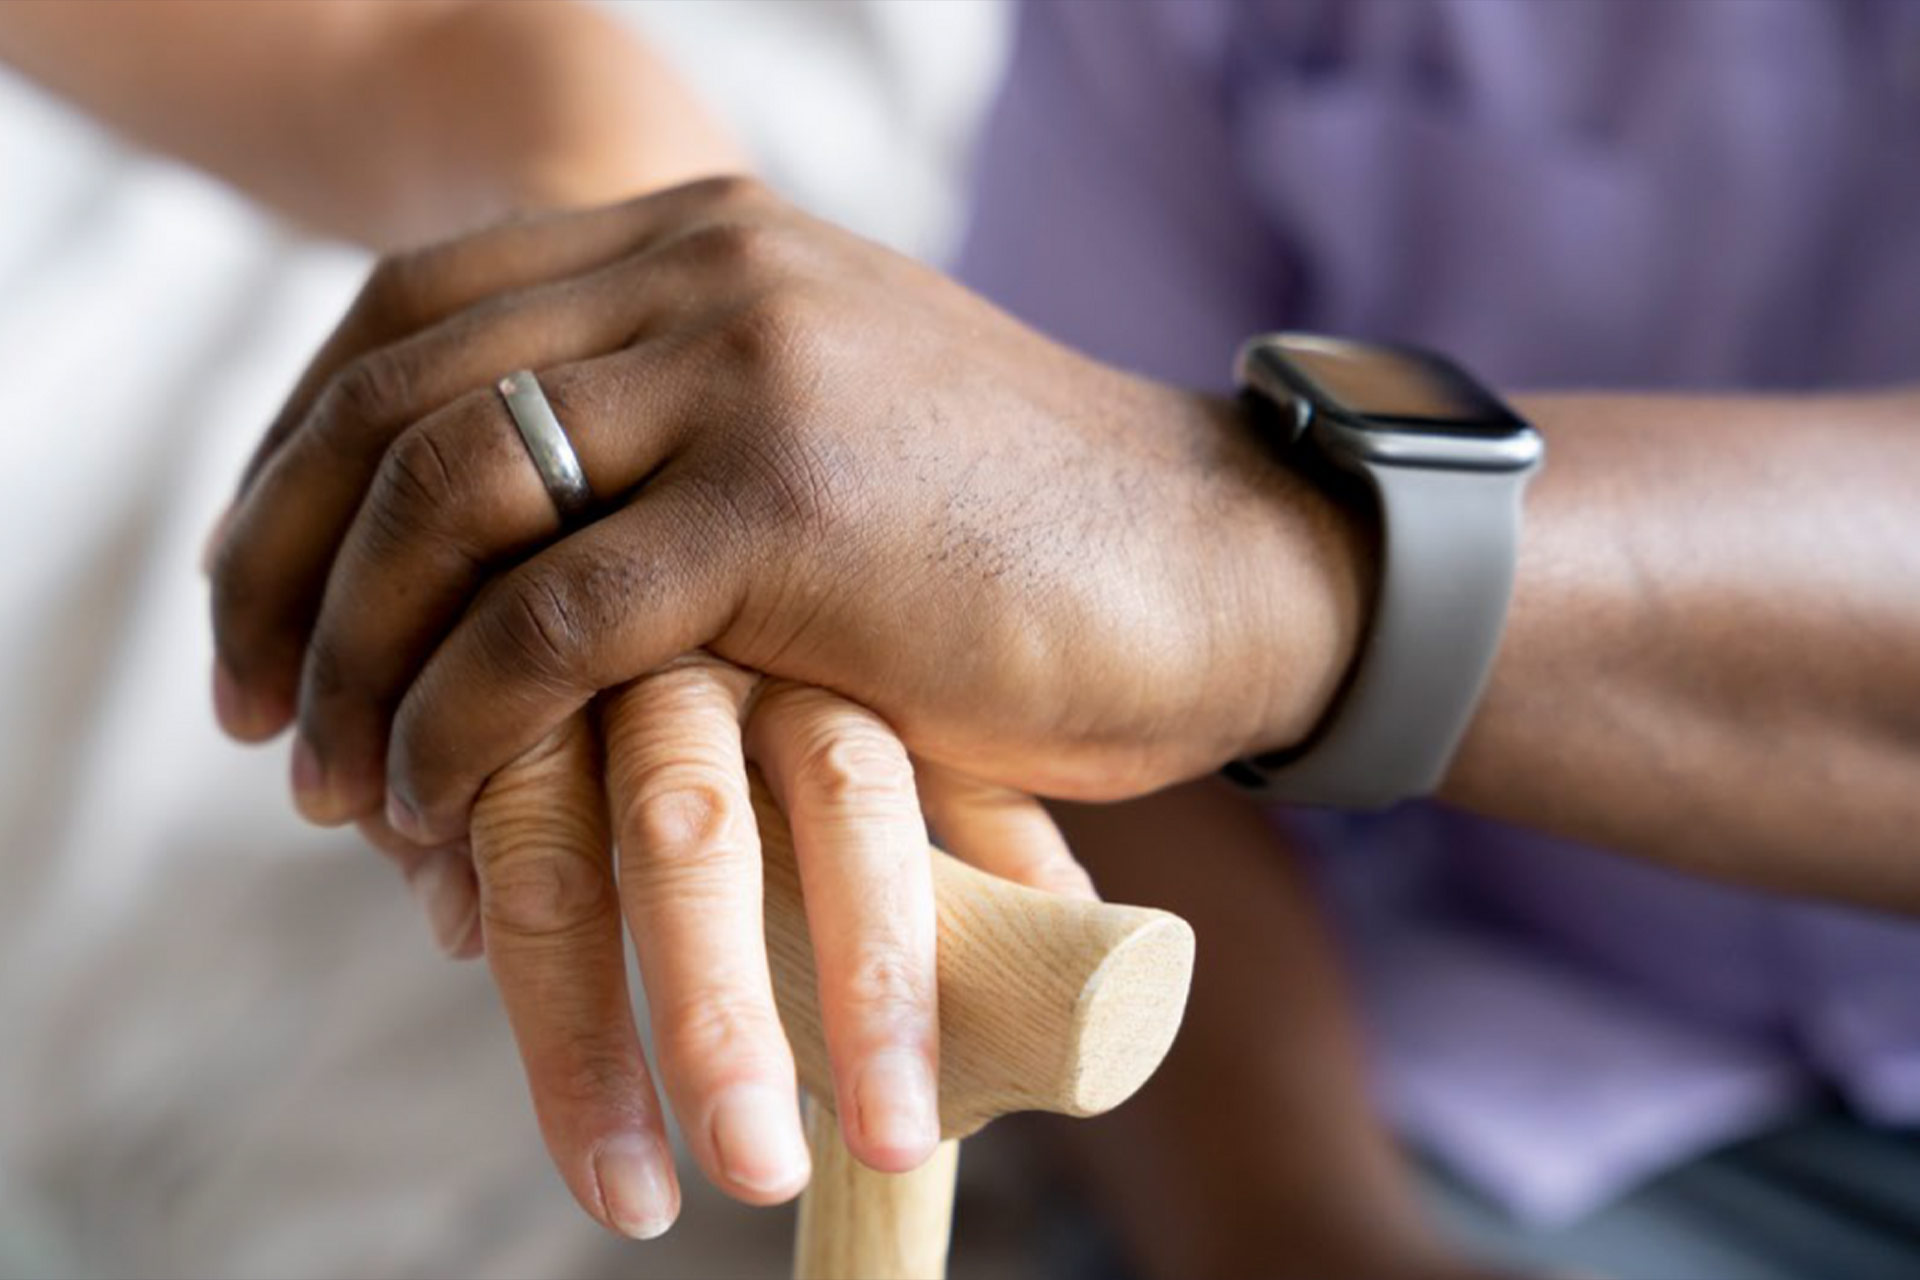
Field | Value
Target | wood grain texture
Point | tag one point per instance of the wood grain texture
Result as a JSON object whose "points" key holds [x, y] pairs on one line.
{"points": [[1046, 1003], [856, 1224]]}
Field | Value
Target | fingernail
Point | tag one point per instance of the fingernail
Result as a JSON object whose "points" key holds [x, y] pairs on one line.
{"points": [[215, 536], [894, 1103], [637, 1185], [447, 894], [404, 818], [756, 1133]]}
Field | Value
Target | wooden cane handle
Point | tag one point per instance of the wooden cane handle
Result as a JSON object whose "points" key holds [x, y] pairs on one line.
{"points": [[1046, 1003], [856, 1224]]}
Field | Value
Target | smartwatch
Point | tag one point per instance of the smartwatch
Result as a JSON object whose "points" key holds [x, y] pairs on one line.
{"points": [[1444, 462]]}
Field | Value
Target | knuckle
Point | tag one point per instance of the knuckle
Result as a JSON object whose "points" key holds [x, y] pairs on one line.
{"points": [[720, 1026], [593, 1074], [887, 988], [370, 389], [544, 895], [789, 465], [735, 247], [857, 767], [690, 815], [417, 483], [728, 190], [773, 339], [537, 622]]}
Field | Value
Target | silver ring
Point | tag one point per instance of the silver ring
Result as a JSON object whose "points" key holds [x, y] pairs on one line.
{"points": [[547, 444]]}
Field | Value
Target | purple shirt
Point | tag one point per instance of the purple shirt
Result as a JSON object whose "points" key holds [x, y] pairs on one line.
{"points": [[1586, 194]]}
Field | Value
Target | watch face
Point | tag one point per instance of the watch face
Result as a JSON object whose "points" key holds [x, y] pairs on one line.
{"points": [[1409, 388]]}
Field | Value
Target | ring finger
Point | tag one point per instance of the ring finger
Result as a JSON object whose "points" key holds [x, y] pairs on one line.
{"points": [[455, 497], [280, 538]]}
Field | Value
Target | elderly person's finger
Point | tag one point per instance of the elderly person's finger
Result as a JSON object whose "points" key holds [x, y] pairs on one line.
{"points": [[552, 920], [690, 881], [846, 784], [999, 830]]}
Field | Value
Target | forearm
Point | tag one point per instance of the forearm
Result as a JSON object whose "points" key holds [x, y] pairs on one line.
{"points": [[386, 123], [1713, 655]]}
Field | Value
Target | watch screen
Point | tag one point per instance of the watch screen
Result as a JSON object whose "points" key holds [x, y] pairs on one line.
{"points": [[1366, 381]]}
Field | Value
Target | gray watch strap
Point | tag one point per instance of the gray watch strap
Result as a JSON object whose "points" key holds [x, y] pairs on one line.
{"points": [[1448, 548]]}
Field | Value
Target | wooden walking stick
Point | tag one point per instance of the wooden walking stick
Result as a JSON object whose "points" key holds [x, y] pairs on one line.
{"points": [[1046, 1004]]}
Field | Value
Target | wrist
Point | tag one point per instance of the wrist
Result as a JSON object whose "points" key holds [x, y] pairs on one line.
{"points": [[1306, 567]]}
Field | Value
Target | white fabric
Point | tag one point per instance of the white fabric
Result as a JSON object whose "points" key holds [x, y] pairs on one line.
{"points": [[227, 1045], [863, 109]]}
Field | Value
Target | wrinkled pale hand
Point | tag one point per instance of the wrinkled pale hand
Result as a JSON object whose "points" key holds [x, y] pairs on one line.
{"points": [[661, 779]]}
